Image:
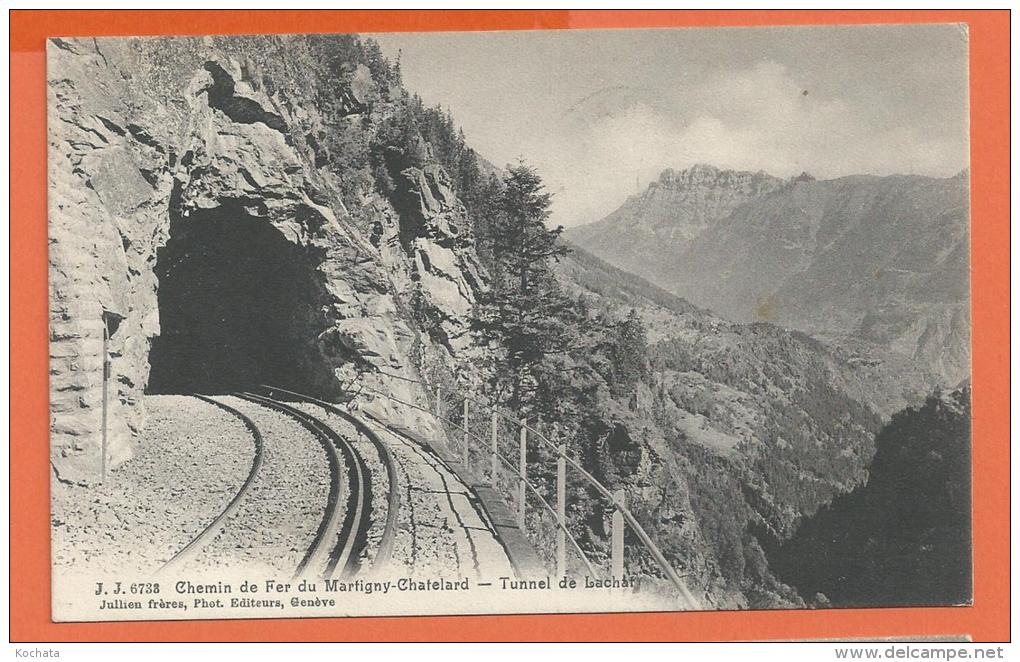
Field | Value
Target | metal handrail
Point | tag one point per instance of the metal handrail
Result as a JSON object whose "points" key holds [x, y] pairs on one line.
{"points": [[509, 464], [635, 526], [560, 525]]}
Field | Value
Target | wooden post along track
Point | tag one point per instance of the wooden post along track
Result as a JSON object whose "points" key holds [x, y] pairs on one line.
{"points": [[621, 519]]}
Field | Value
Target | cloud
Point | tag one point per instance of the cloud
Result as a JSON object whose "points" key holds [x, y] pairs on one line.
{"points": [[757, 118]]}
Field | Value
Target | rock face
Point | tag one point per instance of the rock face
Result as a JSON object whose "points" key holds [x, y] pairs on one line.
{"points": [[433, 231], [647, 233], [880, 265], [107, 216], [191, 210]]}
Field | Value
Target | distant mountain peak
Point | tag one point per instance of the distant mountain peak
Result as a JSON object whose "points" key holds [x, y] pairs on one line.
{"points": [[883, 259], [707, 171], [663, 219]]}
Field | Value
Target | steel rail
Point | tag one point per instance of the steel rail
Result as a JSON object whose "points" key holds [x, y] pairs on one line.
{"points": [[584, 557], [635, 526], [509, 464], [211, 530], [354, 525], [386, 543]]}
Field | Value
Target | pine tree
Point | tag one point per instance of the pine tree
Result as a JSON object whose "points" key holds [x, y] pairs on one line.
{"points": [[525, 317], [630, 353]]}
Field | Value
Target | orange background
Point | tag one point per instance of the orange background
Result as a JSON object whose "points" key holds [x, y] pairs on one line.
{"points": [[987, 620]]}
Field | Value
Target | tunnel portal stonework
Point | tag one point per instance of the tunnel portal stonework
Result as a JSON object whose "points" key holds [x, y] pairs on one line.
{"points": [[173, 204]]}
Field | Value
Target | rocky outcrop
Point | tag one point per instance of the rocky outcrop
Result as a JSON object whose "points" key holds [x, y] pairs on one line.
{"points": [[647, 233], [432, 235], [108, 194], [145, 166]]}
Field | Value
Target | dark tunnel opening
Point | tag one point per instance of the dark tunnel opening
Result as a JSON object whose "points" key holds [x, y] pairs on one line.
{"points": [[238, 307]]}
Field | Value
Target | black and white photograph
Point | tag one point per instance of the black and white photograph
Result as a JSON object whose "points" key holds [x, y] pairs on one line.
{"points": [[549, 321]]}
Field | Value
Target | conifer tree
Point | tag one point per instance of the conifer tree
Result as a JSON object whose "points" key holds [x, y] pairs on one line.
{"points": [[630, 353], [525, 317]]}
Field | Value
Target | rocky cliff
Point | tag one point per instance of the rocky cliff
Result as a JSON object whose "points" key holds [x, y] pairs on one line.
{"points": [[199, 211], [650, 230]]}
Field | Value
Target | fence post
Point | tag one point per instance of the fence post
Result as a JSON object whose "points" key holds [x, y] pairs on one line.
{"points": [[495, 449], [561, 512], [619, 499], [106, 380], [467, 420], [521, 485]]}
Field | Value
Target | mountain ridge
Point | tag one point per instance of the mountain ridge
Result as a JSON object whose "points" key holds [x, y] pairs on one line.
{"points": [[878, 265]]}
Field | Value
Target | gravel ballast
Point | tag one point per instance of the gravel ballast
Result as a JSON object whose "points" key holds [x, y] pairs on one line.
{"points": [[278, 518], [194, 456], [191, 459]]}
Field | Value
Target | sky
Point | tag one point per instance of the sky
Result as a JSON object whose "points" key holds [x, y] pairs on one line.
{"points": [[601, 113]]}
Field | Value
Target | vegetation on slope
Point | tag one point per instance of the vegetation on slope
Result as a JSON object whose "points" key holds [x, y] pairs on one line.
{"points": [[904, 537], [759, 422]]}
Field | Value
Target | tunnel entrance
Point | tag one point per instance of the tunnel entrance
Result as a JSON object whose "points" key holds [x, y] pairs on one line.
{"points": [[239, 306]]}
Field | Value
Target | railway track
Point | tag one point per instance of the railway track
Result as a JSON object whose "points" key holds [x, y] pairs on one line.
{"points": [[340, 537], [193, 548], [387, 512], [270, 516], [436, 496], [327, 497]]}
